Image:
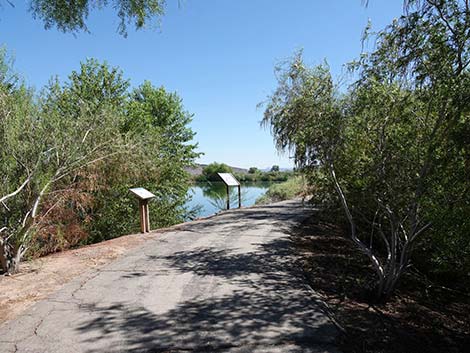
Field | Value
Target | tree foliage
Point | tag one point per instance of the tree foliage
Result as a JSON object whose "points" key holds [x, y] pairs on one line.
{"points": [[391, 151], [43, 145], [210, 171], [71, 16], [69, 156], [275, 168], [157, 121]]}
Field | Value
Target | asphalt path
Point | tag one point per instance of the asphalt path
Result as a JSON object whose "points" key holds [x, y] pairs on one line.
{"points": [[229, 283]]}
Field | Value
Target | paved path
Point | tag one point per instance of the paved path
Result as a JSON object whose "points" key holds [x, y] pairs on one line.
{"points": [[225, 284]]}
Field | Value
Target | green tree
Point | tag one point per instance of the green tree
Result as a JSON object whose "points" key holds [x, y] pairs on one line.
{"points": [[428, 50], [44, 145], [71, 16], [253, 170], [275, 168], [93, 88], [156, 120], [78, 148], [386, 146], [210, 171]]}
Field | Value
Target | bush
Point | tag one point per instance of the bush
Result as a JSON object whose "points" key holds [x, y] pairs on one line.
{"points": [[69, 157], [209, 173], [283, 191]]}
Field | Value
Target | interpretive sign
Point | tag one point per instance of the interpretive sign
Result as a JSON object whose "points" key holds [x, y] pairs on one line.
{"points": [[144, 196], [230, 180], [142, 193]]}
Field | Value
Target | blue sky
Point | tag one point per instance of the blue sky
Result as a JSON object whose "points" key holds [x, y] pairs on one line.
{"points": [[218, 55]]}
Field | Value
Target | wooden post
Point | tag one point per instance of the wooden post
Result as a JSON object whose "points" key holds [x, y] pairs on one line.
{"points": [[143, 196], [228, 198], [147, 217], [143, 215], [239, 197]]}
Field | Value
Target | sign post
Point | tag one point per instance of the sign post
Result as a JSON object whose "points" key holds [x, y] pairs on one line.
{"points": [[143, 195], [239, 196], [229, 180]]}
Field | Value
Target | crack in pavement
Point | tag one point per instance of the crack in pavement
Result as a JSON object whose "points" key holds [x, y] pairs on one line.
{"points": [[83, 283], [36, 328], [232, 286]]}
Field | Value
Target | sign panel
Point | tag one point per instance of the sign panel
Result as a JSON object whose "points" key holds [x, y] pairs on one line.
{"points": [[229, 179], [142, 193]]}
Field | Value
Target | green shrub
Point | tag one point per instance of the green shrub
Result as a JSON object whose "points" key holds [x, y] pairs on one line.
{"points": [[209, 173], [283, 191]]}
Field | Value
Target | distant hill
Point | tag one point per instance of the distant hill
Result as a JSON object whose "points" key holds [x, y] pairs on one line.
{"points": [[199, 167]]}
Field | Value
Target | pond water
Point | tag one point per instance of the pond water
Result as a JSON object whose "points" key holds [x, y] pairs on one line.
{"points": [[211, 197]]}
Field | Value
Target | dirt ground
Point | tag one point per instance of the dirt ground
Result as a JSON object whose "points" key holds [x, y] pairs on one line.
{"points": [[40, 277], [421, 316]]}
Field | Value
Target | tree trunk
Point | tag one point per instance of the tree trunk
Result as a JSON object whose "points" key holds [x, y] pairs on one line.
{"points": [[15, 263], [388, 283], [10, 259], [3, 257]]}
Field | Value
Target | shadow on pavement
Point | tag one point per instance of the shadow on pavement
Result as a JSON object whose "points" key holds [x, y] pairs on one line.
{"points": [[269, 305]]}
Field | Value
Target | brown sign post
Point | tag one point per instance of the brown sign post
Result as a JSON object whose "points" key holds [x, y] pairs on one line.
{"points": [[143, 195], [229, 180]]}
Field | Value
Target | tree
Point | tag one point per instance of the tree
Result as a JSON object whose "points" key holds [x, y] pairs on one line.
{"points": [[253, 170], [71, 16], [157, 119], [210, 171], [428, 49], [70, 155], [306, 117], [275, 168], [16, 103], [43, 145], [95, 87], [384, 145], [155, 123]]}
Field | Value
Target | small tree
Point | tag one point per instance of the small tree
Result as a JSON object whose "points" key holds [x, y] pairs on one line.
{"points": [[385, 147], [211, 170], [369, 147], [42, 146], [275, 168], [70, 149], [253, 170]]}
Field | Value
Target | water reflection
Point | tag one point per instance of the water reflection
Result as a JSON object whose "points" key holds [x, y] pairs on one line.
{"points": [[211, 197], [216, 194]]}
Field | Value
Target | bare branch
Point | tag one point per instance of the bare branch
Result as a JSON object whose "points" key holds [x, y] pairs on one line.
{"points": [[67, 172], [375, 261], [85, 136], [51, 208], [17, 191], [443, 18], [25, 219], [424, 228], [35, 208]]}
